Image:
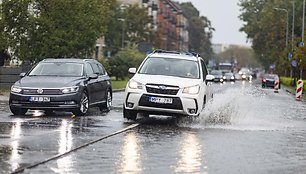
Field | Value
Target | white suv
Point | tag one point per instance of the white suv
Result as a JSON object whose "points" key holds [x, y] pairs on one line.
{"points": [[168, 83]]}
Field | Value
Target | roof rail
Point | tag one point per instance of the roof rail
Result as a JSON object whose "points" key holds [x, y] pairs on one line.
{"points": [[192, 54], [165, 51]]}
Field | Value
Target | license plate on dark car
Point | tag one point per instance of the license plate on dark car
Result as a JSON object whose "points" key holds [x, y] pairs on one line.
{"points": [[39, 99], [160, 100]]}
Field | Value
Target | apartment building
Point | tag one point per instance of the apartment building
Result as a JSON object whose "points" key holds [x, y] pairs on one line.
{"points": [[169, 21]]}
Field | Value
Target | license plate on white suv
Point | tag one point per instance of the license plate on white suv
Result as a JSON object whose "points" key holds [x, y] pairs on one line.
{"points": [[160, 100]]}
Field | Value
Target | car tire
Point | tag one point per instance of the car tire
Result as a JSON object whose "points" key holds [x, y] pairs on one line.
{"points": [[129, 114], [108, 104], [83, 105], [18, 111]]}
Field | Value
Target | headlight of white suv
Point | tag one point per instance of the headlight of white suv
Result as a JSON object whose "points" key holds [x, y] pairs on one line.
{"points": [[16, 89], [70, 89], [134, 85], [192, 89]]}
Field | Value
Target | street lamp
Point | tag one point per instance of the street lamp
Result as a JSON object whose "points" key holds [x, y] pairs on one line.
{"points": [[122, 34], [287, 24]]}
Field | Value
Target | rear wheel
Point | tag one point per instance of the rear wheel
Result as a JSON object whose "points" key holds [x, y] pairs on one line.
{"points": [[108, 104], [83, 106], [18, 111], [129, 114]]}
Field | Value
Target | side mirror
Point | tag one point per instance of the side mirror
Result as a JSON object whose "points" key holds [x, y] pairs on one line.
{"points": [[132, 70], [21, 75], [210, 78], [93, 76]]}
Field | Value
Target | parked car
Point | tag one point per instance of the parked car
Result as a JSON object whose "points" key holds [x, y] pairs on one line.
{"points": [[218, 76], [229, 77], [168, 83], [62, 84], [268, 80]]}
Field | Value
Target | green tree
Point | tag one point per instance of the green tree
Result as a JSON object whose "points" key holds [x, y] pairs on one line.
{"points": [[265, 26], [123, 60], [200, 30], [128, 24], [35, 29]]}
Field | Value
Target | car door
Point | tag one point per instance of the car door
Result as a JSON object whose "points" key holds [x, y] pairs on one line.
{"points": [[102, 82], [92, 85], [205, 85]]}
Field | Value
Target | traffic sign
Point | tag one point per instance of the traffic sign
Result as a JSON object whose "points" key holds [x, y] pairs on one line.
{"points": [[302, 44], [293, 63], [289, 56]]}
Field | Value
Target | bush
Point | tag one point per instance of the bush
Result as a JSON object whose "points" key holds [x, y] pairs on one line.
{"points": [[287, 81], [127, 58]]}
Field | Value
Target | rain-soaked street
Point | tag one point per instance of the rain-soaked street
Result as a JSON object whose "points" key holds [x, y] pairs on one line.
{"points": [[245, 129]]}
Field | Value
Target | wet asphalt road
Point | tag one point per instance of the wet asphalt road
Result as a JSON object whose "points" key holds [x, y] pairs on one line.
{"points": [[245, 129]]}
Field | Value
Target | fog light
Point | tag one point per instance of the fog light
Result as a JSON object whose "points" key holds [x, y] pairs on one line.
{"points": [[130, 105], [192, 111], [69, 102]]}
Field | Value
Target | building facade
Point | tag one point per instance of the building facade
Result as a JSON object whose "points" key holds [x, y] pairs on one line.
{"points": [[169, 22]]}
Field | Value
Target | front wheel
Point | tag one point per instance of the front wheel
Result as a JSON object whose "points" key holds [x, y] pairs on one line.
{"points": [[129, 114], [83, 105], [18, 111]]}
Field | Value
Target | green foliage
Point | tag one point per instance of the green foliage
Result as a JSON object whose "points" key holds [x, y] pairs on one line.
{"points": [[35, 29], [128, 24], [265, 25], [123, 60], [287, 81], [200, 30]]}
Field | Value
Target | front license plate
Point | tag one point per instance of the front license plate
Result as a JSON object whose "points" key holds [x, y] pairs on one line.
{"points": [[39, 99], [160, 100]]}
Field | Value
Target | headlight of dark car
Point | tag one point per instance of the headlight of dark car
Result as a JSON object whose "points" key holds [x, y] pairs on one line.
{"points": [[69, 90], [16, 89]]}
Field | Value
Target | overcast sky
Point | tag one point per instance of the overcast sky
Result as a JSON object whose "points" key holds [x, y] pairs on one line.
{"points": [[223, 15]]}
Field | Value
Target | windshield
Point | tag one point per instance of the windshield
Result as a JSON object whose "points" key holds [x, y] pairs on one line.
{"points": [[171, 67], [57, 69]]}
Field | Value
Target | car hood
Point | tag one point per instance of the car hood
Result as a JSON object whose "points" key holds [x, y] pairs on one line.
{"points": [[165, 80], [47, 81]]}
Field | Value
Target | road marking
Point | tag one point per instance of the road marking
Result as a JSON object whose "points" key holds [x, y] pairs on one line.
{"points": [[75, 149]]}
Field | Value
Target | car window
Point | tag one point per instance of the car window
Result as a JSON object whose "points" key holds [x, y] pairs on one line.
{"points": [[101, 69], [89, 69], [96, 69], [57, 69], [171, 67], [204, 70]]}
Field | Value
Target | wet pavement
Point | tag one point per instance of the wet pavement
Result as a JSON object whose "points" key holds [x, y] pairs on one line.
{"points": [[245, 129]]}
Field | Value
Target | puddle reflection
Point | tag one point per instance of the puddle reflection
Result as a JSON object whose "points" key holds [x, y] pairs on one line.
{"points": [[65, 164], [130, 161], [15, 146], [190, 155]]}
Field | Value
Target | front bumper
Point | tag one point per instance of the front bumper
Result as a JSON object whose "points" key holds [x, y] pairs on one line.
{"points": [[187, 105], [67, 102]]}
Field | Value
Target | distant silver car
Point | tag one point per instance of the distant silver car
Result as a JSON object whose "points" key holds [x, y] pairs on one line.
{"points": [[168, 83]]}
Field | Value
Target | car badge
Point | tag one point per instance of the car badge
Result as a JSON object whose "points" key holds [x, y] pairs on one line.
{"points": [[40, 91], [162, 87]]}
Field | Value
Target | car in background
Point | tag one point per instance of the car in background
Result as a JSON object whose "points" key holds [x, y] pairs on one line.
{"points": [[218, 76], [246, 74], [168, 83], [229, 77], [62, 84], [268, 80]]}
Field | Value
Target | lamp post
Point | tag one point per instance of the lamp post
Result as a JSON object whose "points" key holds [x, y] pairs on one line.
{"points": [[122, 34], [287, 23], [303, 28]]}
